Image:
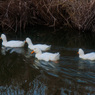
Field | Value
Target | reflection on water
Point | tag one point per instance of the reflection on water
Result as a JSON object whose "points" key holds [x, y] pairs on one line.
{"points": [[23, 51], [22, 74]]}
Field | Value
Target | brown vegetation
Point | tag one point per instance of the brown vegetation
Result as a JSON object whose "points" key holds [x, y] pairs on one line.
{"points": [[17, 14]]}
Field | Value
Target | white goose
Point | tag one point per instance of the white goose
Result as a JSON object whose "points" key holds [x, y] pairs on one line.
{"points": [[46, 56], [43, 47], [89, 56], [11, 43]]}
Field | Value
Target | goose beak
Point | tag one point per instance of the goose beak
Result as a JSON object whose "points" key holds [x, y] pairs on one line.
{"points": [[0, 38], [77, 52], [32, 52]]}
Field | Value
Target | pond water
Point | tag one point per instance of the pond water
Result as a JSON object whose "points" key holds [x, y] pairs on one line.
{"points": [[22, 74]]}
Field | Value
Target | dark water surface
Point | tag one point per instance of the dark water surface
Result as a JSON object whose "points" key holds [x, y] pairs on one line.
{"points": [[22, 74]]}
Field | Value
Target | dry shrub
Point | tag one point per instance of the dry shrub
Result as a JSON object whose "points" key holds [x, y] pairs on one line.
{"points": [[14, 14], [18, 14], [81, 13]]}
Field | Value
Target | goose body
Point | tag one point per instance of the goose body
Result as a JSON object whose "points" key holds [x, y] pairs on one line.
{"points": [[46, 56], [12, 43], [89, 56], [43, 47]]}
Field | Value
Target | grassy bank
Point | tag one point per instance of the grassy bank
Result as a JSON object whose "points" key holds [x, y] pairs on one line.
{"points": [[18, 14]]}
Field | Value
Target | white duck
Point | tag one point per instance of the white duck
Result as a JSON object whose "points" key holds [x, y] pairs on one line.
{"points": [[43, 47], [11, 43], [46, 56], [89, 56]]}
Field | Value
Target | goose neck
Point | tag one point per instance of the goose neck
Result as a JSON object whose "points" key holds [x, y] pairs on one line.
{"points": [[4, 40]]}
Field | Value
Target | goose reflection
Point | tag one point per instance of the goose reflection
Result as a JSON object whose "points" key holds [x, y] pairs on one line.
{"points": [[43, 64], [49, 67], [23, 51], [84, 64]]}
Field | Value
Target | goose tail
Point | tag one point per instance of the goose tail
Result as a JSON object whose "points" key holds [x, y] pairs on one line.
{"points": [[48, 47], [57, 56]]}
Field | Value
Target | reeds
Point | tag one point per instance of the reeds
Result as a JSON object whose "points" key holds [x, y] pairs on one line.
{"points": [[82, 13], [18, 14]]}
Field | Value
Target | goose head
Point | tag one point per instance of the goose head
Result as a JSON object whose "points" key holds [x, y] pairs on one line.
{"points": [[29, 42], [37, 51], [80, 52], [3, 37]]}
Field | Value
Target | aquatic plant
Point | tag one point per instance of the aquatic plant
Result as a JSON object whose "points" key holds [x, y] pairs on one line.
{"points": [[18, 14]]}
